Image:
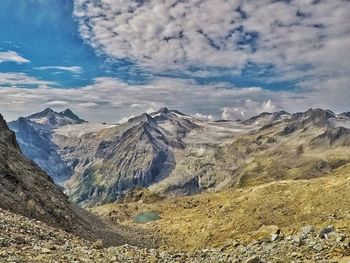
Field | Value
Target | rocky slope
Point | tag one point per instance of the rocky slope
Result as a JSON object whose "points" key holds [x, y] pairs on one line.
{"points": [[24, 240], [25, 189], [193, 222], [286, 221]]}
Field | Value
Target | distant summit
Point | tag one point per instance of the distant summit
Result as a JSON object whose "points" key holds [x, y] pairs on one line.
{"points": [[71, 115], [34, 136], [267, 118], [344, 115], [53, 119]]}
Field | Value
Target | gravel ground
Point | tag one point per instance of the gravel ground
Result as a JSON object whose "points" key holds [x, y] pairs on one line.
{"points": [[26, 240]]}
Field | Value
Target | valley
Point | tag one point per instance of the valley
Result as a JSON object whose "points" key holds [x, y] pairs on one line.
{"points": [[167, 187]]}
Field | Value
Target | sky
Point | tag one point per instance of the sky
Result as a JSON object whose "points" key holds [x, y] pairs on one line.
{"points": [[108, 60]]}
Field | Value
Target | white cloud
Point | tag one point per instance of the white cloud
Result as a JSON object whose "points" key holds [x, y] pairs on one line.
{"points": [[232, 113], [267, 106], [247, 109], [204, 117], [125, 119], [111, 100], [21, 79], [72, 69], [301, 38], [57, 103], [12, 56]]}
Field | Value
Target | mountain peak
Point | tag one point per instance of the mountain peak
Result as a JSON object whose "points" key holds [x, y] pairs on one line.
{"points": [[48, 110], [145, 117], [164, 110], [67, 111], [265, 118], [2, 122], [53, 119], [70, 114], [344, 115], [6, 134], [320, 112], [41, 114], [317, 116]]}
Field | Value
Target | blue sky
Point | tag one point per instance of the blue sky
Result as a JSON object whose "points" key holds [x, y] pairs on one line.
{"points": [[109, 60], [46, 34]]}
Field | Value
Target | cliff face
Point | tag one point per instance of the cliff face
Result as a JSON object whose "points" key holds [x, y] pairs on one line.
{"points": [[26, 189]]}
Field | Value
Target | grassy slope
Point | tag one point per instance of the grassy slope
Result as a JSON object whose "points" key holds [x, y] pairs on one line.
{"points": [[215, 219]]}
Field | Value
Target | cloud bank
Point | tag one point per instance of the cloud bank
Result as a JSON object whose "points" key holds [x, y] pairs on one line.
{"points": [[300, 38], [113, 101], [72, 69], [304, 42]]}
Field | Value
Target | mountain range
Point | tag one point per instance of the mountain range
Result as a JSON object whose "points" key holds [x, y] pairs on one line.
{"points": [[274, 187], [172, 153]]}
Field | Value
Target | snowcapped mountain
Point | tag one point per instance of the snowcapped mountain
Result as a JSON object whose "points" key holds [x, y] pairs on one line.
{"points": [[52, 119], [34, 134], [267, 118], [139, 152], [176, 154]]}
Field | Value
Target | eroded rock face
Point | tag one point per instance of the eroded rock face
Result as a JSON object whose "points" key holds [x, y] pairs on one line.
{"points": [[6, 135], [333, 136]]}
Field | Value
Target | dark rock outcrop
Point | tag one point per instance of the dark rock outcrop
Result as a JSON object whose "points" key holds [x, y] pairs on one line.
{"points": [[332, 137]]}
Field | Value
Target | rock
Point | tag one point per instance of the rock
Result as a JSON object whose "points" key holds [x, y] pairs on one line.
{"points": [[97, 244], [297, 241], [276, 237], [307, 230], [45, 250], [325, 231], [318, 247], [235, 243], [2, 242], [50, 245], [66, 245], [339, 238], [253, 259], [265, 233]]}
